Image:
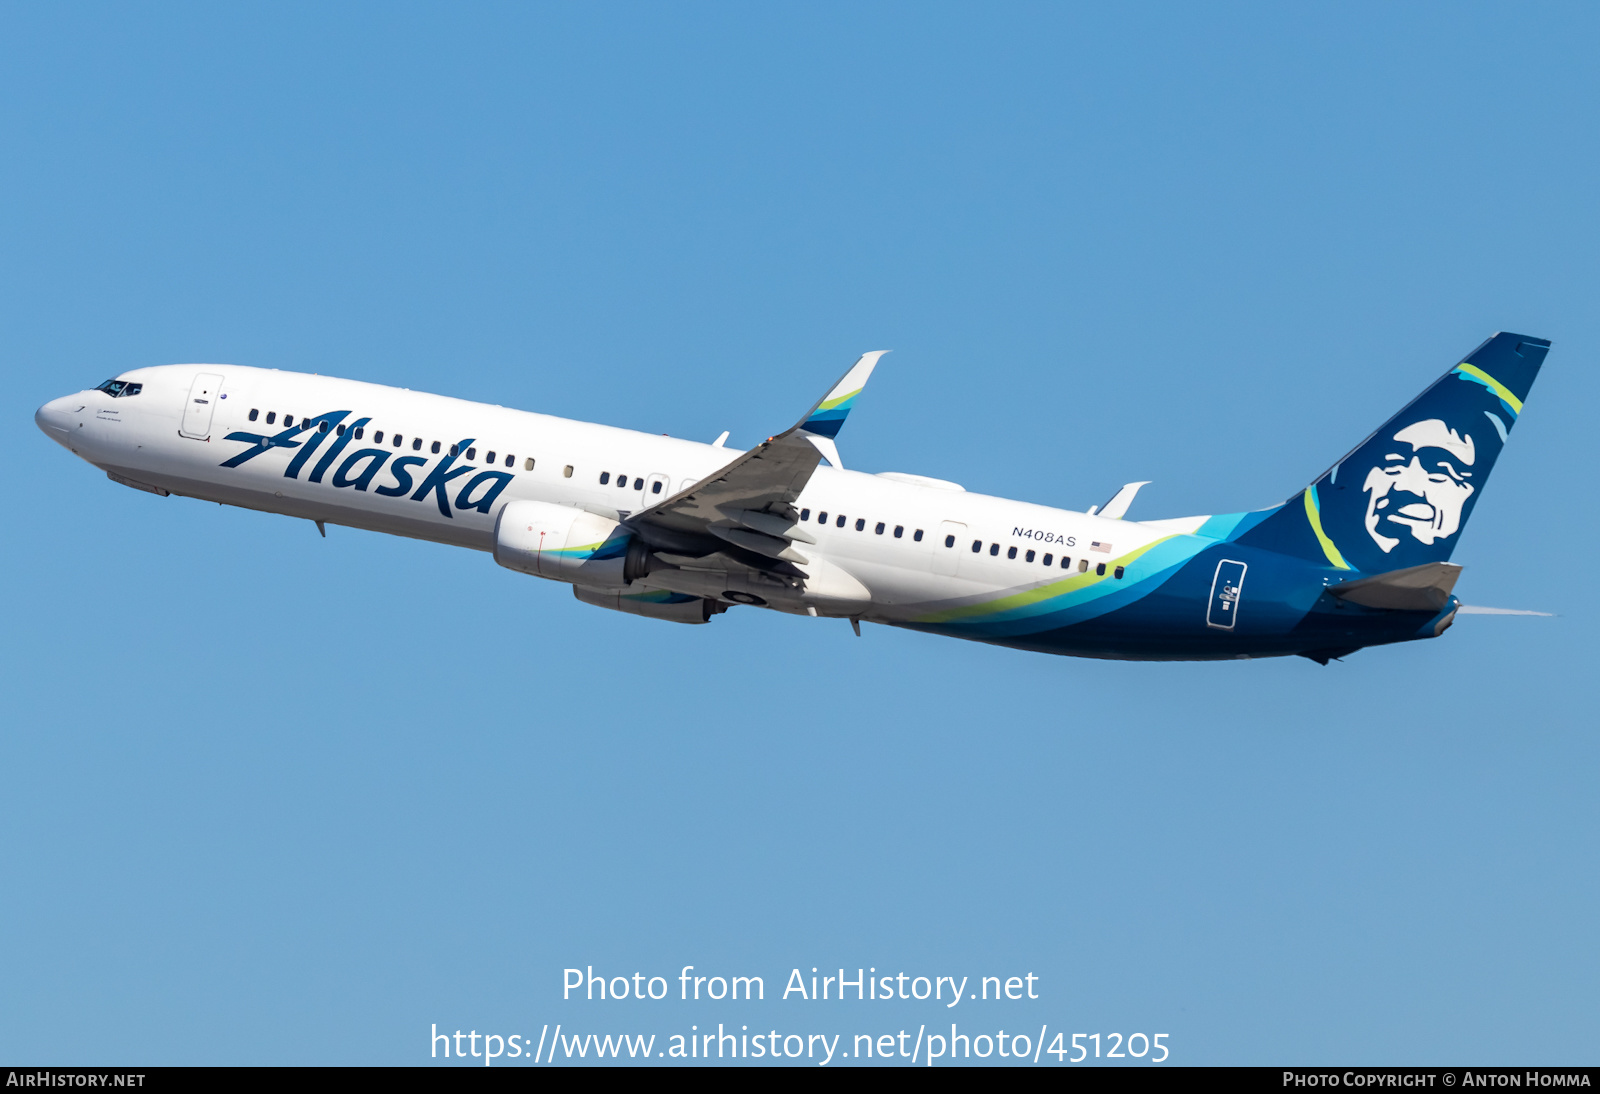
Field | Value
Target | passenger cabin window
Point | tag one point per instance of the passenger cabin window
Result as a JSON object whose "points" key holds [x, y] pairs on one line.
{"points": [[527, 464], [822, 517], [254, 414], [655, 488], [510, 460], [622, 482], [436, 447], [288, 419], [878, 530], [949, 541], [861, 524], [605, 478], [397, 440], [917, 535], [489, 457], [472, 453], [977, 545], [566, 472], [1100, 569], [1011, 552], [272, 416], [638, 484], [994, 550], [360, 431], [1117, 573], [840, 522], [1066, 563], [900, 530], [1027, 557], [805, 514], [1047, 558], [416, 444], [340, 430], [322, 427]]}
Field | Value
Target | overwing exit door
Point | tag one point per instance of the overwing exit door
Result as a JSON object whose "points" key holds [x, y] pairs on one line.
{"points": [[655, 492], [201, 405], [1226, 587], [946, 558]]}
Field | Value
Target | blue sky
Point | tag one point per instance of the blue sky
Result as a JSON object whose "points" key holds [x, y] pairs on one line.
{"points": [[275, 798]]}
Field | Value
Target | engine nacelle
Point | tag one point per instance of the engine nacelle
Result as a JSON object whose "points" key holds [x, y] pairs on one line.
{"points": [[653, 604], [560, 542]]}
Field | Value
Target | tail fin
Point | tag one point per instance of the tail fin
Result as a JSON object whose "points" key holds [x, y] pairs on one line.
{"points": [[1401, 498]]}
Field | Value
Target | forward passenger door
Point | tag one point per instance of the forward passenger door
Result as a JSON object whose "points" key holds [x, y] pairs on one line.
{"points": [[202, 403]]}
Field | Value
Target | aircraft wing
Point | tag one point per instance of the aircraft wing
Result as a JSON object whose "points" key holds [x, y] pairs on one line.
{"points": [[749, 503]]}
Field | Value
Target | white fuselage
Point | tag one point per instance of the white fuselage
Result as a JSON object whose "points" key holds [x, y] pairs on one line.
{"points": [[173, 437]]}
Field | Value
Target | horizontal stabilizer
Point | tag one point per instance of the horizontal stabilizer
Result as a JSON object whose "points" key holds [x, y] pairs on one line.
{"points": [[1478, 609], [1424, 588]]}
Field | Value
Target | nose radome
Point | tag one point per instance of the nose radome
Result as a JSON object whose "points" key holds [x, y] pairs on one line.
{"points": [[57, 417]]}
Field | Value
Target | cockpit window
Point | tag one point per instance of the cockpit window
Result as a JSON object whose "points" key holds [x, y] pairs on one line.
{"points": [[119, 389]]}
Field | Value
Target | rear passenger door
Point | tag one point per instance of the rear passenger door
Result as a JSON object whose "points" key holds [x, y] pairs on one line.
{"points": [[1226, 588]]}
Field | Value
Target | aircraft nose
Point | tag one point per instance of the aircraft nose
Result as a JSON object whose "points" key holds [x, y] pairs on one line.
{"points": [[58, 417]]}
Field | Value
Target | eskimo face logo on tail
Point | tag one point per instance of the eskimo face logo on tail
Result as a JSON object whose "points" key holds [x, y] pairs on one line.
{"points": [[1422, 485]]}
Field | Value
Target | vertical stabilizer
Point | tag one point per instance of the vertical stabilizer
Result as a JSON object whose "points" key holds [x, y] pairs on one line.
{"points": [[1402, 497]]}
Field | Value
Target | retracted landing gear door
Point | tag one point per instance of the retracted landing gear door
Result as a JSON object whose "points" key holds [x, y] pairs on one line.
{"points": [[1223, 611]]}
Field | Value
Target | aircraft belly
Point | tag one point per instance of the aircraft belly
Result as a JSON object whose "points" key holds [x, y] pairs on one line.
{"points": [[268, 496], [1164, 609]]}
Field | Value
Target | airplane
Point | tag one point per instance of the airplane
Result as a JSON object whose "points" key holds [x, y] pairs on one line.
{"points": [[679, 530]]}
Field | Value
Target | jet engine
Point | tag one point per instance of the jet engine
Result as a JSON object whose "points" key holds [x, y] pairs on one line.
{"points": [[564, 543], [654, 604]]}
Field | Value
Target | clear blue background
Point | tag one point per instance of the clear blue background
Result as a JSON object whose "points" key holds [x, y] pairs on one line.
{"points": [[275, 798]]}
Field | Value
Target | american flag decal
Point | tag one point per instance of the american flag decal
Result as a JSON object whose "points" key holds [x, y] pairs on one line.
{"points": [[1103, 548]]}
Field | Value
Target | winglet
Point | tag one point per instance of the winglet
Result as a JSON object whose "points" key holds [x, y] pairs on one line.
{"points": [[827, 417], [829, 450], [1117, 507]]}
